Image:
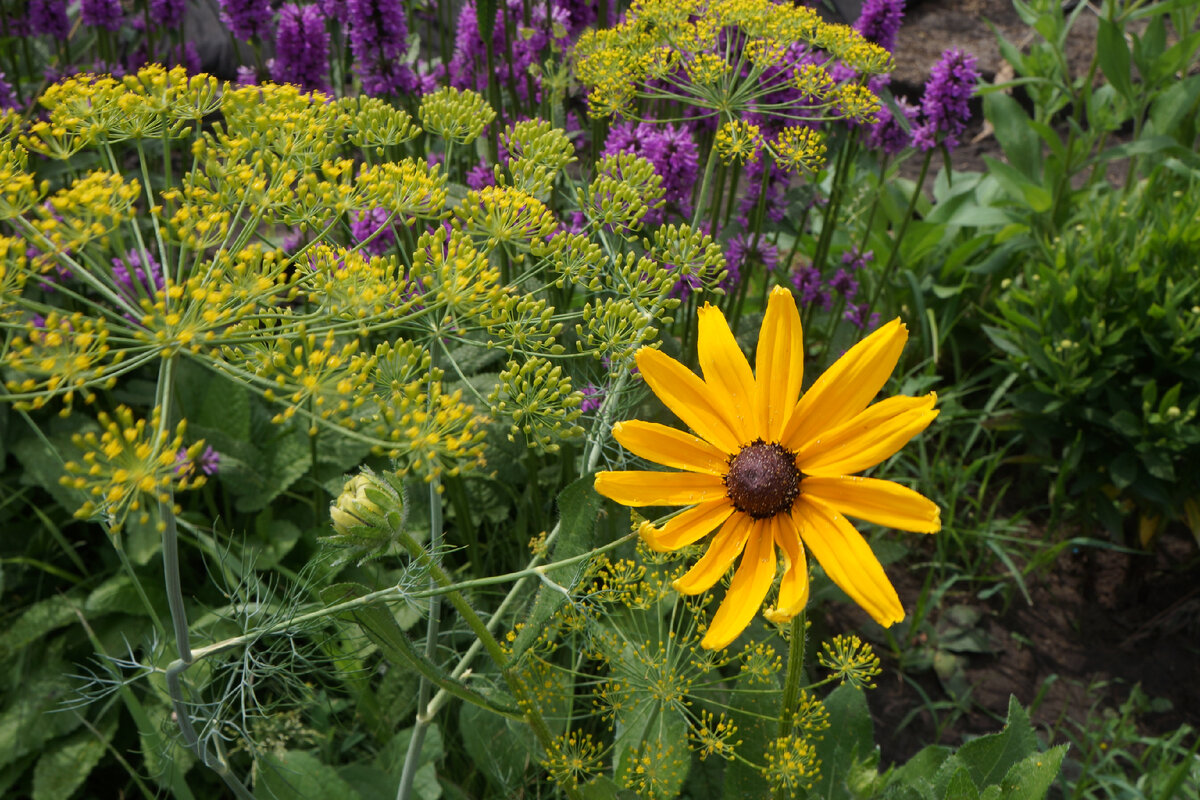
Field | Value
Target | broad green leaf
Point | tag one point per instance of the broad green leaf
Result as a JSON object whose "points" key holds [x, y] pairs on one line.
{"points": [[285, 455], [1031, 778], [501, 749], [1013, 132], [850, 738], [36, 621], [960, 786], [425, 783], [29, 721], [299, 775], [650, 744], [65, 764], [920, 769], [990, 757]]}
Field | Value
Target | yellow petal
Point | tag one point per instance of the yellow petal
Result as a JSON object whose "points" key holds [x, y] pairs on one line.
{"points": [[726, 372], [778, 363], [793, 586], [746, 591], [670, 447], [718, 558], [845, 388], [869, 445], [638, 488], [847, 560], [687, 526], [682, 391], [881, 502], [871, 419]]}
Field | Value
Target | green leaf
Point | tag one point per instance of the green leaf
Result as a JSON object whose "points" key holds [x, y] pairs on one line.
{"points": [[36, 621], [43, 466], [284, 457], [579, 506], [850, 738], [65, 764], [381, 628], [960, 786], [990, 757], [225, 406], [1031, 779], [299, 775], [1123, 470], [501, 749], [1113, 54], [273, 538], [28, 722], [1013, 132], [921, 767], [653, 738], [425, 783]]}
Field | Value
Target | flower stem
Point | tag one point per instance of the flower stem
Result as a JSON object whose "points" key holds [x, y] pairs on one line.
{"points": [[895, 250], [795, 674], [424, 687]]}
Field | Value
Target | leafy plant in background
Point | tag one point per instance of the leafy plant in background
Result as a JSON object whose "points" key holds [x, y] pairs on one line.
{"points": [[1103, 334]]}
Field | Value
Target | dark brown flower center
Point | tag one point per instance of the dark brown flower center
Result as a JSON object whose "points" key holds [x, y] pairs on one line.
{"points": [[763, 480]]}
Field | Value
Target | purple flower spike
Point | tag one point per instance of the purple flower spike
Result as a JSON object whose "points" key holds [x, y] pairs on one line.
{"points": [[101, 14], [301, 48], [49, 18], [167, 14], [879, 21], [945, 104], [247, 19], [379, 41]]}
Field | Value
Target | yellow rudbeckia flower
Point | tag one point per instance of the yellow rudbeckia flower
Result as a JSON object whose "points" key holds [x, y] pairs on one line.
{"points": [[773, 468]]}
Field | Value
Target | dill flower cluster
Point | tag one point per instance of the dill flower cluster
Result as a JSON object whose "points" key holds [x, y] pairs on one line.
{"points": [[729, 59], [131, 465]]}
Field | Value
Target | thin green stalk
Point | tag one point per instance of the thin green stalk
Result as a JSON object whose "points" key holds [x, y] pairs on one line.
{"points": [[709, 164], [795, 676], [829, 221], [525, 700], [912, 205], [421, 725]]}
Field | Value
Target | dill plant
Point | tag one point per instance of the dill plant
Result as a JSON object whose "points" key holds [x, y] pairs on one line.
{"points": [[359, 317]]}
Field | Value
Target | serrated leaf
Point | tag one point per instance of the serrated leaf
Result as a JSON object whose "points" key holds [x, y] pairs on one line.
{"points": [[960, 786], [850, 720], [299, 775], [36, 621], [990, 757], [65, 764], [1031, 778], [284, 457]]}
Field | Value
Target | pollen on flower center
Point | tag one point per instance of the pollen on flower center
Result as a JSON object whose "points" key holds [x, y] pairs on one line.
{"points": [[763, 480]]}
